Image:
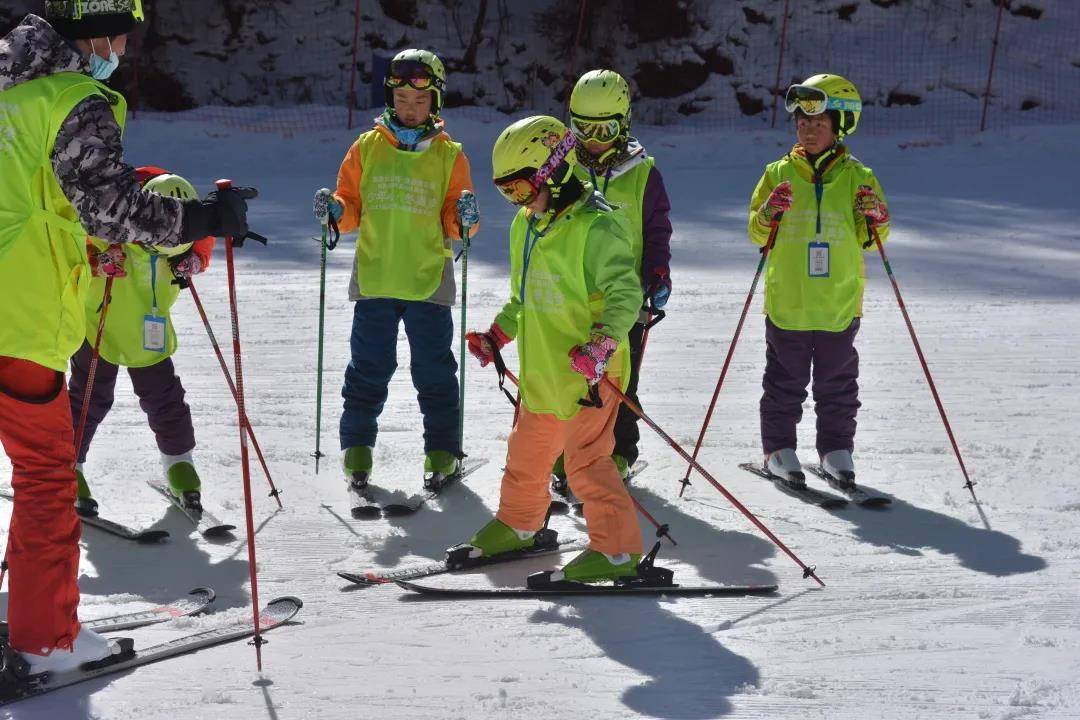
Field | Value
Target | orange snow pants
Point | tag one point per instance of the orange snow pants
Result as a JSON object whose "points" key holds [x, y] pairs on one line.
{"points": [[43, 541], [586, 442]]}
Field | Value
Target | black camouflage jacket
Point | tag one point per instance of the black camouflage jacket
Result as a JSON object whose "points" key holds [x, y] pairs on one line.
{"points": [[88, 156]]}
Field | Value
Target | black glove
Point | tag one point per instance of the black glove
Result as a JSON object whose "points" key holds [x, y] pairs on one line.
{"points": [[222, 213]]}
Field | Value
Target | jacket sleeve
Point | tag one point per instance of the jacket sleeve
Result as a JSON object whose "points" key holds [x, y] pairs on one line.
{"points": [[204, 249], [860, 222], [656, 229], [610, 271], [348, 189], [104, 190], [509, 318], [460, 179], [759, 233]]}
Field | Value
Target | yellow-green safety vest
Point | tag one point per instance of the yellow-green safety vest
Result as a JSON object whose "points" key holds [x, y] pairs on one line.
{"points": [[626, 193], [44, 273], [401, 250]]}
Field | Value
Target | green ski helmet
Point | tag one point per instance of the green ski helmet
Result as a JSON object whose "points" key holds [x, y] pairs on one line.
{"points": [[419, 69], [176, 187], [83, 19], [532, 153], [827, 93], [600, 108]]}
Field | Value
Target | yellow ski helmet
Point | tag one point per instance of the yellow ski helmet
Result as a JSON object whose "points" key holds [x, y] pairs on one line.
{"points": [[419, 69], [600, 107], [176, 187], [827, 93], [531, 153]]}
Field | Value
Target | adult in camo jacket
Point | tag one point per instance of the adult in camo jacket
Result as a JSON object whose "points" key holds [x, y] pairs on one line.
{"points": [[62, 175]]}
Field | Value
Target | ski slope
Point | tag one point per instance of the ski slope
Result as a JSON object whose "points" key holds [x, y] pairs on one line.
{"points": [[932, 608]]}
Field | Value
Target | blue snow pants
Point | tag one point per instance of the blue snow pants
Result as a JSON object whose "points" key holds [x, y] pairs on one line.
{"points": [[430, 330]]}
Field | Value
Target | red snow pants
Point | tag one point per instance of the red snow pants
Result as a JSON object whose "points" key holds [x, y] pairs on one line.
{"points": [[586, 442], [43, 541]]}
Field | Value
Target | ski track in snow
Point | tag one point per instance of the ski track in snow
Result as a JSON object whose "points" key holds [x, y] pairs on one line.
{"points": [[927, 613]]}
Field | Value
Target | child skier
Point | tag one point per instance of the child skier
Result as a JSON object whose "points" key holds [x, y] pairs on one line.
{"points": [[814, 283], [139, 335], [617, 165], [575, 294], [399, 184]]}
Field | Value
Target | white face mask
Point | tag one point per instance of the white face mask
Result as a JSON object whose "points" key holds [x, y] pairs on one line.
{"points": [[101, 69]]}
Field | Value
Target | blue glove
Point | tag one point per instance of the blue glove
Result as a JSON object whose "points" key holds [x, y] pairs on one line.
{"points": [[468, 211], [660, 288], [326, 206]]}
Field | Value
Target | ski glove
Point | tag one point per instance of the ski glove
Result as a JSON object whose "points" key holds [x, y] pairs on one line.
{"points": [[185, 266], [468, 211], [222, 213], [591, 359], [659, 290], [483, 345], [779, 202], [108, 262], [870, 205], [327, 206]]}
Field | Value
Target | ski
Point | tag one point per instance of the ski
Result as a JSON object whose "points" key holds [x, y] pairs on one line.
{"points": [[635, 470], [415, 572], [858, 495], [366, 507], [15, 685], [811, 495], [110, 526], [577, 589], [204, 522]]}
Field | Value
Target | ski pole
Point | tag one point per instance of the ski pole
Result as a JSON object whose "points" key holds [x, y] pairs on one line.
{"points": [[241, 416], [106, 300], [731, 349], [661, 528], [466, 240], [328, 243], [968, 483], [808, 571], [274, 492]]}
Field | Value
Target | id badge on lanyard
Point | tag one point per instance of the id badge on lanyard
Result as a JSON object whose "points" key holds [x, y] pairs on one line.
{"points": [[153, 326], [817, 260]]}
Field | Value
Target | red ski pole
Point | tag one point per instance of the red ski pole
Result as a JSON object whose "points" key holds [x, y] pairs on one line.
{"points": [[808, 571], [106, 300], [731, 349], [241, 419], [968, 483], [274, 492]]}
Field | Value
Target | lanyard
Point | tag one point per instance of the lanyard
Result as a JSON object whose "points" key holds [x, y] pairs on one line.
{"points": [[596, 184], [153, 284], [532, 236]]}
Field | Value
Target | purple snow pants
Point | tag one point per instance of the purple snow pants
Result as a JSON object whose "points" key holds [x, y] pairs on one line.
{"points": [[789, 357], [160, 393]]}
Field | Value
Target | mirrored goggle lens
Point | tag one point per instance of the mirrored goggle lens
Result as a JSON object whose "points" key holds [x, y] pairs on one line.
{"points": [[811, 100], [518, 191], [602, 131], [412, 73], [417, 83]]}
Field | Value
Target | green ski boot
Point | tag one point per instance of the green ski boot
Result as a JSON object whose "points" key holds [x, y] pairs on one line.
{"points": [[622, 466], [184, 483], [559, 485], [595, 566], [85, 504], [357, 465], [440, 467], [494, 538]]}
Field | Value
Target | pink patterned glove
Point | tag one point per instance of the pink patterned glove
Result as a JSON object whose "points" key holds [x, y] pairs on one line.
{"points": [[108, 262], [869, 204], [186, 265], [591, 359], [779, 202]]}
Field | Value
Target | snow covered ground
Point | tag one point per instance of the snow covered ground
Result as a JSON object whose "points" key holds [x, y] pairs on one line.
{"points": [[931, 610]]}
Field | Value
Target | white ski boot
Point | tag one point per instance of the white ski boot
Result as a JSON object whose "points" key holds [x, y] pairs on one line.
{"points": [[839, 465], [785, 465], [88, 647]]}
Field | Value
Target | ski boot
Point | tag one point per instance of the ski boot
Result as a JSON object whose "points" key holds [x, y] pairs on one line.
{"points": [[623, 466], [440, 467], [840, 468], [183, 481], [356, 462], [785, 465], [559, 486], [497, 538], [595, 566], [85, 504], [88, 647]]}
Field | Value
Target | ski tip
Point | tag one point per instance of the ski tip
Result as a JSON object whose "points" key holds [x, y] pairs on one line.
{"points": [[206, 594], [367, 512], [219, 531], [280, 610], [151, 537], [399, 509], [362, 580]]}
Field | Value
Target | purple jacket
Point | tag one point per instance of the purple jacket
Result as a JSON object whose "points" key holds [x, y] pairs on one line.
{"points": [[656, 229]]}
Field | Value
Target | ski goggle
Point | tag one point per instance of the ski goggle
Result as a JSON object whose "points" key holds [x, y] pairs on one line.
{"points": [[518, 190], [416, 75], [590, 131], [814, 101]]}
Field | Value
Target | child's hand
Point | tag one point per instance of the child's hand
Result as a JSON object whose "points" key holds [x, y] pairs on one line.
{"points": [[659, 290], [108, 262], [591, 359], [468, 211], [186, 265], [483, 345], [870, 205], [779, 202], [326, 206]]}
